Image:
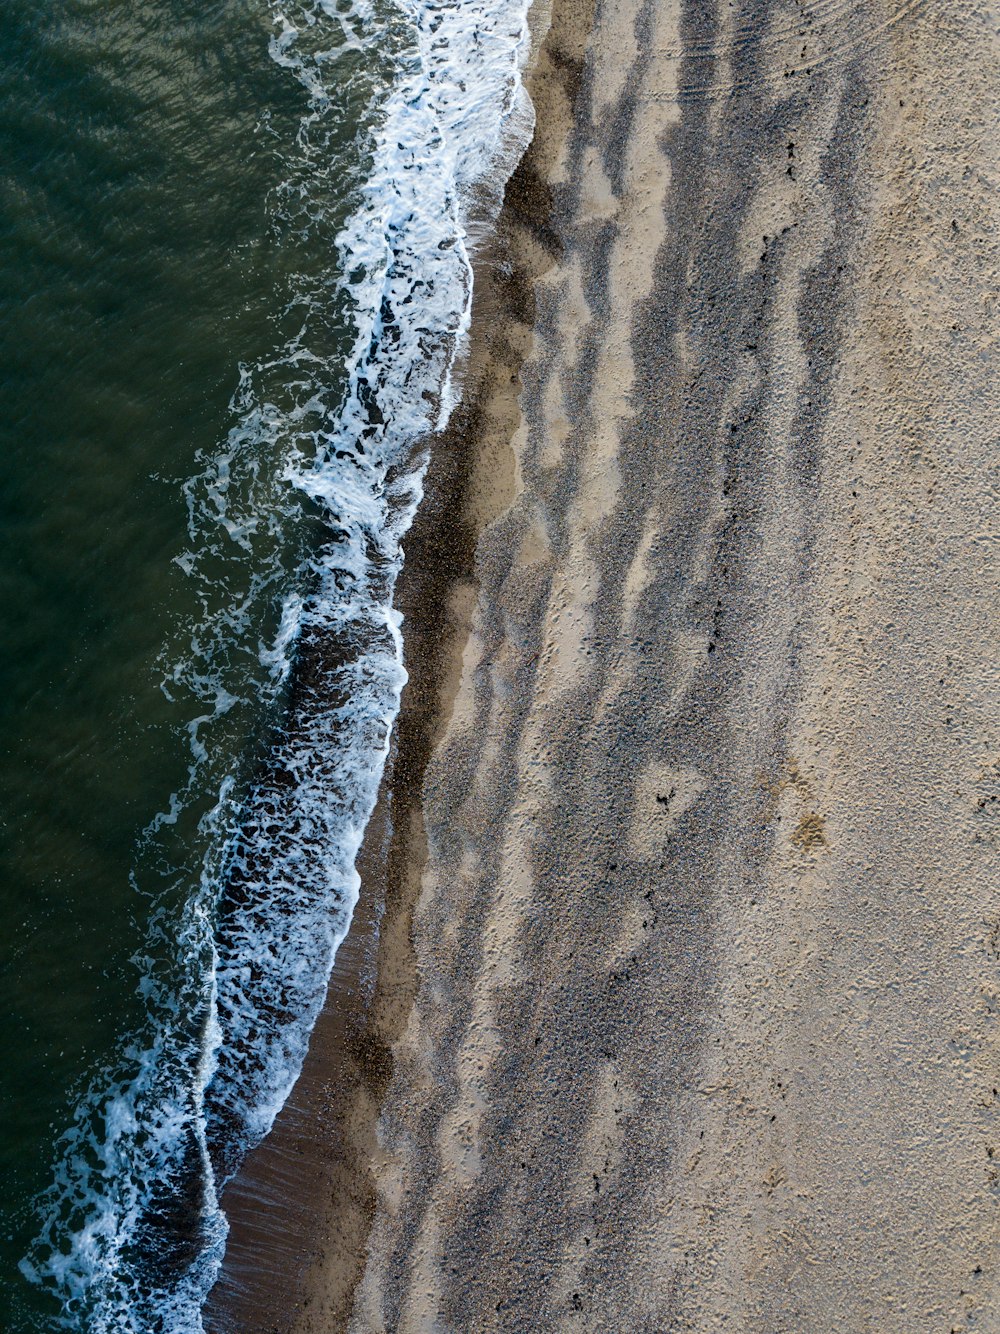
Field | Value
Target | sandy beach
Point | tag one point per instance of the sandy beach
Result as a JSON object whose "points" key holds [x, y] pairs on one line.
{"points": [[673, 1001]]}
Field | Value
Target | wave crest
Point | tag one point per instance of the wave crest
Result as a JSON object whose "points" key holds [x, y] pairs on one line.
{"points": [[334, 449]]}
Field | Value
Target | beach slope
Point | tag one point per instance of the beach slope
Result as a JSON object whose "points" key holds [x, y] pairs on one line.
{"points": [[704, 950]]}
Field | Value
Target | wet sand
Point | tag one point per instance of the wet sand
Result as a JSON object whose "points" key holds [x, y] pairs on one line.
{"points": [[684, 1013]]}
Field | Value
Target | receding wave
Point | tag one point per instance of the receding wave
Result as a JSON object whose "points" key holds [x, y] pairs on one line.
{"points": [[295, 524]]}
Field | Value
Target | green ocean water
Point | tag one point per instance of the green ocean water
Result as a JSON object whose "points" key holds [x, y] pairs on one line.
{"points": [[141, 144]]}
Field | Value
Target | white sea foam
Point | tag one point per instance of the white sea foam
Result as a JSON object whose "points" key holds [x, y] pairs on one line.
{"points": [[278, 657], [147, 1156]]}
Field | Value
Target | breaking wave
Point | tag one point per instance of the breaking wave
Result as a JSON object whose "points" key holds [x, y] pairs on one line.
{"points": [[414, 117]]}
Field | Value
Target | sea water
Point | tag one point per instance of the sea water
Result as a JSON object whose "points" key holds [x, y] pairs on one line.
{"points": [[234, 281]]}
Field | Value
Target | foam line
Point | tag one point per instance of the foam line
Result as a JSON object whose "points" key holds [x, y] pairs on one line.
{"points": [[133, 1234]]}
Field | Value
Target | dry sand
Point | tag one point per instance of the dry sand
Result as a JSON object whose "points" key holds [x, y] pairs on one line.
{"points": [[687, 1005]]}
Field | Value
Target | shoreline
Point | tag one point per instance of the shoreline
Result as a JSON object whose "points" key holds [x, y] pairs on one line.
{"points": [[301, 1206], [688, 834]]}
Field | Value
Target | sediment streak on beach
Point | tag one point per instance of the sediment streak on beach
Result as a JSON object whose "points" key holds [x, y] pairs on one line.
{"points": [[705, 925]]}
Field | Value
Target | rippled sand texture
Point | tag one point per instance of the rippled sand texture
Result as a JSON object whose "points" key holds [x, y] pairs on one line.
{"points": [[709, 928]]}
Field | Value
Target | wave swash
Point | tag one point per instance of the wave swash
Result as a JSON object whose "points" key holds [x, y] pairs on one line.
{"points": [[240, 956]]}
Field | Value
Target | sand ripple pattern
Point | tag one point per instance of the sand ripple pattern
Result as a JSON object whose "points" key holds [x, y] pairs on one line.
{"points": [[662, 1072]]}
